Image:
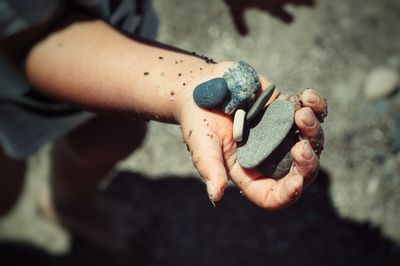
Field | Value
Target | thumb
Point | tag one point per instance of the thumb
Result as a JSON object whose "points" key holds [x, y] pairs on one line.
{"points": [[206, 153]]}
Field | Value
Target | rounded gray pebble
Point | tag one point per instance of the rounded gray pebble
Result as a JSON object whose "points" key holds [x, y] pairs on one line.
{"points": [[268, 140], [211, 94]]}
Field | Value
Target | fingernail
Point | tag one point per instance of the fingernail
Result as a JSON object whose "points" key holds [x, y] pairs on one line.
{"points": [[308, 119], [311, 97], [297, 186], [296, 190], [307, 152], [210, 190]]}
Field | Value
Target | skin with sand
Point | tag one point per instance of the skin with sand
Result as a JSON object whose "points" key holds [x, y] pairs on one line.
{"points": [[266, 135], [75, 73]]}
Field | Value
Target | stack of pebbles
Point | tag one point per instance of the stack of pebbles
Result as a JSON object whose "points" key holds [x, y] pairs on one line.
{"points": [[265, 134]]}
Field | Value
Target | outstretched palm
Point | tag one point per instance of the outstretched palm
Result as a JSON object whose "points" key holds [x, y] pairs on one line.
{"points": [[208, 135]]}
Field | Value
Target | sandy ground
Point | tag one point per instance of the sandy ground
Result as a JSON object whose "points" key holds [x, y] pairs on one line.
{"points": [[330, 46]]}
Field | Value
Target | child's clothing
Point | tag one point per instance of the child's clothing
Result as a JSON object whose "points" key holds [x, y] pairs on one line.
{"points": [[27, 119]]}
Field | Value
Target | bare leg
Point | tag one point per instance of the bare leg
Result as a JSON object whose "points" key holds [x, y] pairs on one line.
{"points": [[84, 156], [80, 160], [11, 179]]}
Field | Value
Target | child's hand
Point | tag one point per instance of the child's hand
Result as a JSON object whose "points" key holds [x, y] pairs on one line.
{"points": [[213, 150]]}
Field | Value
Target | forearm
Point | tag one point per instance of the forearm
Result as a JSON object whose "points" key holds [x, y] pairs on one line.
{"points": [[92, 66]]}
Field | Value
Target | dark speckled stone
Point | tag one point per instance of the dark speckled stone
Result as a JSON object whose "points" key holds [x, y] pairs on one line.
{"points": [[243, 83], [268, 140], [211, 94]]}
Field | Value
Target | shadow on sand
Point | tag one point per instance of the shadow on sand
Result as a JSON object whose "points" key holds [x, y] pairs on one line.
{"points": [[171, 222], [276, 8]]}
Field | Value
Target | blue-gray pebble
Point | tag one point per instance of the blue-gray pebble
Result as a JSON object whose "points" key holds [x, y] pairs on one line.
{"points": [[211, 94]]}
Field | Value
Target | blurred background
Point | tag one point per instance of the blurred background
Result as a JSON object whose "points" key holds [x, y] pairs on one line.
{"points": [[347, 49]]}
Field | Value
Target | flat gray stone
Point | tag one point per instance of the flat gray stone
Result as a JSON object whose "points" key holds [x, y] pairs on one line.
{"points": [[268, 140], [260, 102]]}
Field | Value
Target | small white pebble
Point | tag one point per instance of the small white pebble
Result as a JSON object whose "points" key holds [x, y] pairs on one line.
{"points": [[380, 83], [238, 125]]}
